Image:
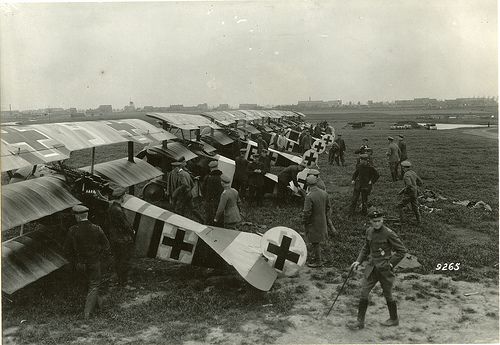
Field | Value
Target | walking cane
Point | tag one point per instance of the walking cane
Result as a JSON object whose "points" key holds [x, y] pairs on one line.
{"points": [[341, 289]]}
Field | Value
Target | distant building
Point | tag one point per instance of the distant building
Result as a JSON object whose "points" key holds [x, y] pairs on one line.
{"points": [[223, 107], [107, 108], [72, 111], [77, 115], [129, 108], [202, 107], [249, 106]]}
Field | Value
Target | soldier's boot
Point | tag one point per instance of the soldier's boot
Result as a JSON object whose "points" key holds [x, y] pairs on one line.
{"points": [[359, 323], [393, 315]]}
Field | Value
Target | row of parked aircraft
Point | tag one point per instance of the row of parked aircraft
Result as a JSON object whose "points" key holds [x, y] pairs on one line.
{"points": [[42, 189]]}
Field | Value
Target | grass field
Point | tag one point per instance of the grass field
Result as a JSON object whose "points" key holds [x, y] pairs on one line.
{"points": [[185, 302]]}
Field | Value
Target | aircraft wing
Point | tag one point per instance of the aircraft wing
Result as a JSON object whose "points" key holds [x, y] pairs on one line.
{"points": [[125, 173], [222, 138], [26, 201], [10, 160], [184, 121], [168, 236], [43, 143], [28, 258]]}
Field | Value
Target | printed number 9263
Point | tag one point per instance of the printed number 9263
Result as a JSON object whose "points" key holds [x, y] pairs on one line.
{"points": [[448, 266]]}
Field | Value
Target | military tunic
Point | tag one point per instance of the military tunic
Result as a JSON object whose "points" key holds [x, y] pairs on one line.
{"points": [[393, 155], [378, 248], [211, 190], [315, 214]]}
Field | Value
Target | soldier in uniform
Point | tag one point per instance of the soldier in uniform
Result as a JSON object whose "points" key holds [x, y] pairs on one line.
{"points": [[85, 246], [316, 219], [182, 194], [228, 210], [410, 191], [240, 177], [305, 142], [121, 235], [256, 180], [211, 190], [261, 144], [334, 153], [364, 149], [393, 155], [342, 149], [404, 155], [379, 244], [363, 179], [286, 176]]}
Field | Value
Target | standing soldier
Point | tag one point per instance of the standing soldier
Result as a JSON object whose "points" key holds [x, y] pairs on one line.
{"points": [[121, 235], [363, 179], [211, 190], [410, 191], [333, 154], [240, 177], [182, 194], [380, 242], [261, 144], [317, 131], [256, 180], [393, 155], [316, 219], [342, 149], [228, 210], [404, 155], [286, 176], [305, 142], [85, 246]]}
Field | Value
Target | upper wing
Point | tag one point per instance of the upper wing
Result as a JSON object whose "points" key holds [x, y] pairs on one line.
{"points": [[25, 201], [184, 121], [43, 143]]}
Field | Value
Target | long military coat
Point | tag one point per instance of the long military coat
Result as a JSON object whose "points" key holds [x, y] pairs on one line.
{"points": [[316, 212]]}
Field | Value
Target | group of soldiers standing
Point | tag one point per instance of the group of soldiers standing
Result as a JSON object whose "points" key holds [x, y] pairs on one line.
{"points": [[87, 243]]}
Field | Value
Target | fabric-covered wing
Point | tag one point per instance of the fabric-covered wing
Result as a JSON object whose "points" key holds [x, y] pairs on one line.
{"points": [[26, 201], [125, 173], [28, 258], [184, 121], [168, 236], [222, 138], [28, 145]]}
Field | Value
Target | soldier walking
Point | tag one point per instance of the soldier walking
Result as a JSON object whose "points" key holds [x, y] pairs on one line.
{"points": [[316, 218], [341, 150], [121, 236], [404, 155], [410, 191], [363, 179], [393, 155], [85, 246], [256, 180], [380, 242], [211, 190]]}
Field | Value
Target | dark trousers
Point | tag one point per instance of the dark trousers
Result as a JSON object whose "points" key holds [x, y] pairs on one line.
{"points": [[386, 279], [393, 166], [240, 185], [315, 252], [282, 192], [122, 252], [364, 199], [210, 211], [414, 206], [331, 156], [92, 272], [339, 158], [256, 194]]}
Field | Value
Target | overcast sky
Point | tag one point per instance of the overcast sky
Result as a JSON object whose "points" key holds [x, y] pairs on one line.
{"points": [[84, 55]]}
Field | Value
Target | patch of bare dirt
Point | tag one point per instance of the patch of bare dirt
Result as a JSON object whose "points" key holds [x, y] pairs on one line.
{"points": [[432, 309]]}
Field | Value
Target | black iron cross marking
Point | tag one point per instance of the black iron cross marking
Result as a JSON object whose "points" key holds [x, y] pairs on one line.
{"points": [[131, 130], [177, 244], [327, 140], [310, 159], [319, 146], [289, 145], [301, 180], [28, 137], [283, 253]]}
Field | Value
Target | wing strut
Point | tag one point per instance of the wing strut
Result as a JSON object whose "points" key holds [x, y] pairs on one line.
{"points": [[131, 159]]}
